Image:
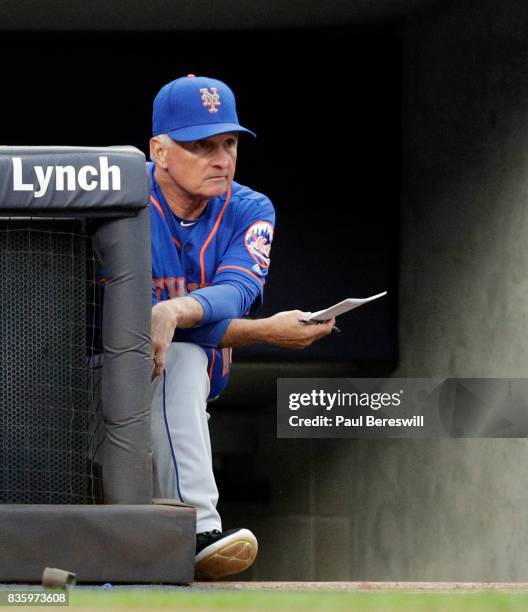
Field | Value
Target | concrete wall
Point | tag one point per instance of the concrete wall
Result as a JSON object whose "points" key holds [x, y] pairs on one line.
{"points": [[456, 509], [464, 286], [372, 509], [432, 509]]}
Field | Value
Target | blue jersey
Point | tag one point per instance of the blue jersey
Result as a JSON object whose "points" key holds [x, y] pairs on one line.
{"points": [[222, 257]]}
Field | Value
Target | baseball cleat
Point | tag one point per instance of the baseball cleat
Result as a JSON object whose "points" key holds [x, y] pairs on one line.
{"points": [[220, 554]]}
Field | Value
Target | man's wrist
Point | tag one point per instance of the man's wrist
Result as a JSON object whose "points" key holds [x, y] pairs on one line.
{"points": [[187, 311], [259, 330]]}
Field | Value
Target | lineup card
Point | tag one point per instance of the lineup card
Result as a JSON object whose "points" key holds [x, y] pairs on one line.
{"points": [[340, 308]]}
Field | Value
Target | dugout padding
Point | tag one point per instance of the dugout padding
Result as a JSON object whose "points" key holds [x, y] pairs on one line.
{"points": [[57, 206], [117, 543], [75, 372]]}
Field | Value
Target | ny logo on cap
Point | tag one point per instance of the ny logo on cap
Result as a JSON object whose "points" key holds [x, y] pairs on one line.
{"points": [[210, 99]]}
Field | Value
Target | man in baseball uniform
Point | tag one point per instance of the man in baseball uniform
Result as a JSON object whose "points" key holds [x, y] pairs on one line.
{"points": [[211, 240]]}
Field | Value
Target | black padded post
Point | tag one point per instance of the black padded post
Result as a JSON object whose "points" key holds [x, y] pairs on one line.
{"points": [[127, 456]]}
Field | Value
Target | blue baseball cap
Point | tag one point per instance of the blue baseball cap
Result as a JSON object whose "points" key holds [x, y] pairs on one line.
{"points": [[192, 108]]}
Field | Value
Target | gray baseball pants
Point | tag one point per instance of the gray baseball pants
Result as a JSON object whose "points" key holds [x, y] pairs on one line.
{"points": [[180, 434]]}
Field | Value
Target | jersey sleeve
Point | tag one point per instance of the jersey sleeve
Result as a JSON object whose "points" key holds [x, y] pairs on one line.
{"points": [[209, 335], [238, 284]]}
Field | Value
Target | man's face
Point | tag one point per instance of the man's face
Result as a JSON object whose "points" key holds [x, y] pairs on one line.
{"points": [[203, 169]]}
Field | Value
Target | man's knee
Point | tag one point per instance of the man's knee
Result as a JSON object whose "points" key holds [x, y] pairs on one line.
{"points": [[185, 355], [186, 368]]}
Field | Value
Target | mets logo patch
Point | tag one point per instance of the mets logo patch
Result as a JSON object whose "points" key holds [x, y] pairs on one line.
{"points": [[210, 99], [258, 242]]}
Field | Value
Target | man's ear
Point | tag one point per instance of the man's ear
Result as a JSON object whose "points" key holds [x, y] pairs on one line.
{"points": [[158, 152]]}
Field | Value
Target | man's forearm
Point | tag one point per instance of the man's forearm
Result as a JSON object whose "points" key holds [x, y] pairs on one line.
{"points": [[242, 332], [284, 329], [186, 311]]}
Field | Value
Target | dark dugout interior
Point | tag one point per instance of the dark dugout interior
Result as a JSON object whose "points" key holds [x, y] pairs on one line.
{"points": [[325, 104]]}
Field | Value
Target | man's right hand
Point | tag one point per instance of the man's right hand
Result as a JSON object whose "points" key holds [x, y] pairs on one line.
{"points": [[181, 312], [164, 322]]}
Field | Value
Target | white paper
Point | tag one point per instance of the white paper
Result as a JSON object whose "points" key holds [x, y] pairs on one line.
{"points": [[341, 308]]}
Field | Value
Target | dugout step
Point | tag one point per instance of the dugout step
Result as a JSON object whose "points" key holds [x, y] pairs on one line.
{"points": [[101, 543]]}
